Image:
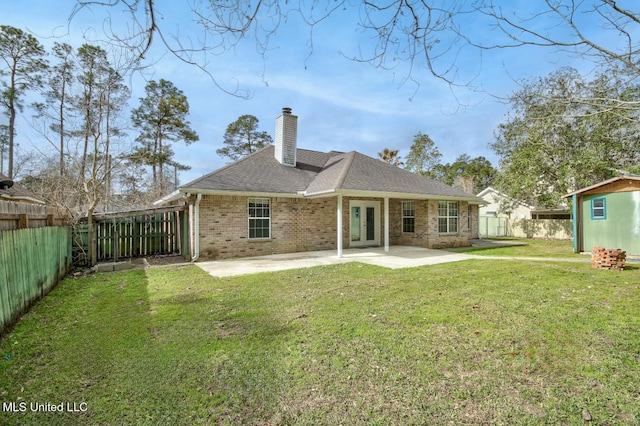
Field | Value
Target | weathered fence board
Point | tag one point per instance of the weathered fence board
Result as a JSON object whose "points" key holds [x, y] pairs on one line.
{"points": [[32, 262], [16, 215], [132, 234]]}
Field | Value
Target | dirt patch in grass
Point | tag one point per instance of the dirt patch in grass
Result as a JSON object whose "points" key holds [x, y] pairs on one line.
{"points": [[159, 261]]}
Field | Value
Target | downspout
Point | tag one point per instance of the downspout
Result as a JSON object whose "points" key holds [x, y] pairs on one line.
{"points": [[196, 228], [576, 225]]}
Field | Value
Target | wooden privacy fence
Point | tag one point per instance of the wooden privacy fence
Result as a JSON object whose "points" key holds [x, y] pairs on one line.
{"points": [[32, 262], [15, 215], [131, 234]]}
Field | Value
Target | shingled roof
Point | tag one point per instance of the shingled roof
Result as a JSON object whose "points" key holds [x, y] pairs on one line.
{"points": [[18, 192], [317, 173]]}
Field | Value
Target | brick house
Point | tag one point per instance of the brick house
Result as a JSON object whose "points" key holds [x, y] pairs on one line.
{"points": [[282, 199], [12, 191]]}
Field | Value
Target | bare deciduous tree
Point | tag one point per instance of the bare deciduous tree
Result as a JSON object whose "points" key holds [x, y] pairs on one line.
{"points": [[436, 34]]}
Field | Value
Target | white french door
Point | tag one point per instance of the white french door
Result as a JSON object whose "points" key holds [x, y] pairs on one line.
{"points": [[364, 223]]}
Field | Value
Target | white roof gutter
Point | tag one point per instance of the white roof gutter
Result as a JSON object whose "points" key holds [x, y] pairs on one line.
{"points": [[175, 195]]}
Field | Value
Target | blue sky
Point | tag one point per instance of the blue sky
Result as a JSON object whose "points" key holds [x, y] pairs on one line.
{"points": [[342, 105]]}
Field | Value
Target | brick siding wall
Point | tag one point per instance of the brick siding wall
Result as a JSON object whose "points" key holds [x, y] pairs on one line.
{"points": [[420, 236], [426, 225], [310, 224], [475, 216], [457, 239], [296, 225]]}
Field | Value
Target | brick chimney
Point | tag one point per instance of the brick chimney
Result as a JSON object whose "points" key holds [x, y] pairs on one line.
{"points": [[286, 137]]}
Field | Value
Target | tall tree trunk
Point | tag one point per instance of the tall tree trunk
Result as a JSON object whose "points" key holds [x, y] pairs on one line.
{"points": [[12, 125], [161, 166], [107, 155], [91, 237], [156, 161], [12, 120], [87, 132], [61, 112], [2, 143], [155, 175]]}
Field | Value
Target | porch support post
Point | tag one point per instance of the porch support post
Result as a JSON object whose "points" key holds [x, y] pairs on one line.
{"points": [[577, 222], [386, 224], [339, 226]]}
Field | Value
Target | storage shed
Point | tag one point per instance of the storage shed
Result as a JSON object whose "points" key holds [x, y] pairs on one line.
{"points": [[607, 214]]}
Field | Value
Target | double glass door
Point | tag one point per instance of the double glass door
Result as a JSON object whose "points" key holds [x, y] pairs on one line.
{"points": [[364, 223]]}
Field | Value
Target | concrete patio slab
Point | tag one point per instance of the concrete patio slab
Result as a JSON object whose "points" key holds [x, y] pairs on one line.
{"points": [[398, 257]]}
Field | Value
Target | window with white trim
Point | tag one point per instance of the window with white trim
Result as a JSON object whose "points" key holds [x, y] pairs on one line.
{"points": [[447, 217], [408, 216], [259, 218], [598, 209]]}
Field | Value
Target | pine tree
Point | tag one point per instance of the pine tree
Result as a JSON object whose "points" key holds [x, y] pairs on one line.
{"points": [[23, 56], [55, 110], [242, 138], [162, 119]]}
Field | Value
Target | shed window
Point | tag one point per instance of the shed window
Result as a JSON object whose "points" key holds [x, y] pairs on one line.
{"points": [[598, 208], [259, 218], [447, 217], [408, 217]]}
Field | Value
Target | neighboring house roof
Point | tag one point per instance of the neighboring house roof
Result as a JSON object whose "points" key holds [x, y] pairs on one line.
{"points": [[489, 191], [18, 192], [319, 173], [603, 183], [492, 191]]}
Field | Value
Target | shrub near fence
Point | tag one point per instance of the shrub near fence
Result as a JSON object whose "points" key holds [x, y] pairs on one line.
{"points": [[32, 262]]}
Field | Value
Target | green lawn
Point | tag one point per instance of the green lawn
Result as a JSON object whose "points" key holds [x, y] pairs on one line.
{"points": [[474, 342], [529, 248]]}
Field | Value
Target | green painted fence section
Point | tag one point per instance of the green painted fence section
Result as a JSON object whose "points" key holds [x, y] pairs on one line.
{"points": [[32, 262]]}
